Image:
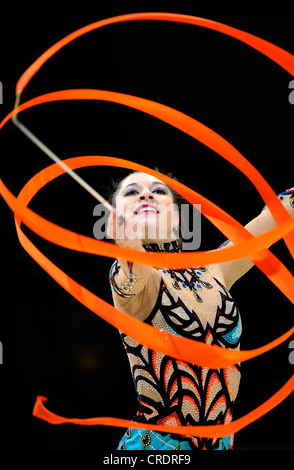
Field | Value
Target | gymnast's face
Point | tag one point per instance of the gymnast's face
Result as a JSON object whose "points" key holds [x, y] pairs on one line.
{"points": [[148, 207]]}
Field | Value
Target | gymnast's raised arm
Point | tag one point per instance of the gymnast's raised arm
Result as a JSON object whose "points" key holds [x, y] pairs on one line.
{"points": [[233, 270]]}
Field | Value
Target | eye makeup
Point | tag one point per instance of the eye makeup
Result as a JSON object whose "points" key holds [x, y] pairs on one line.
{"points": [[133, 188], [160, 189], [130, 189]]}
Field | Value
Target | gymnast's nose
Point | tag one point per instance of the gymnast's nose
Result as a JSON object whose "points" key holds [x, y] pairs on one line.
{"points": [[145, 195]]}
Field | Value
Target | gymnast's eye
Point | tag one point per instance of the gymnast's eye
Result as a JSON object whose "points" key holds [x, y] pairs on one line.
{"points": [[159, 190], [130, 192]]}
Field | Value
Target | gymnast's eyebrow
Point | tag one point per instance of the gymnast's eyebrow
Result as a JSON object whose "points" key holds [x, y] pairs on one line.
{"points": [[153, 183]]}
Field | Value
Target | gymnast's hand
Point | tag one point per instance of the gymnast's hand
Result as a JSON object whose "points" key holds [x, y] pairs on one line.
{"points": [[124, 230]]}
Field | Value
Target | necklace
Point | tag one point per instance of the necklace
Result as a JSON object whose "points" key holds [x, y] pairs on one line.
{"points": [[182, 278]]}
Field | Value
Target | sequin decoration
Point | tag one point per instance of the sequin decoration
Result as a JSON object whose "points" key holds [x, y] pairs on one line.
{"points": [[233, 336], [189, 278], [287, 193], [146, 440]]}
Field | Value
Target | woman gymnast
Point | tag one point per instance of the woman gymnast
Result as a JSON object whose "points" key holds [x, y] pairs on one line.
{"points": [[193, 303]]}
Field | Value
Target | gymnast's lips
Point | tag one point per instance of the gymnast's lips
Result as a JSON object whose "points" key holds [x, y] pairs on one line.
{"points": [[146, 209]]}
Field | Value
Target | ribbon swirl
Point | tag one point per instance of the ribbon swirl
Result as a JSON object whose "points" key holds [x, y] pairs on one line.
{"points": [[246, 245]]}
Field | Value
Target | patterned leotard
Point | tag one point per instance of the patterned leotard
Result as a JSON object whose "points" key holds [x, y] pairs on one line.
{"points": [[193, 304]]}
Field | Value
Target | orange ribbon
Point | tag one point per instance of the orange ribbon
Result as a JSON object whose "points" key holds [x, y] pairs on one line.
{"points": [[246, 245]]}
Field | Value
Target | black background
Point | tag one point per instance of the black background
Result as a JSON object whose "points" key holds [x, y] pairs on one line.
{"points": [[52, 345]]}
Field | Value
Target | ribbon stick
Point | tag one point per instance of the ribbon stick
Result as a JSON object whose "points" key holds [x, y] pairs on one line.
{"points": [[60, 162]]}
